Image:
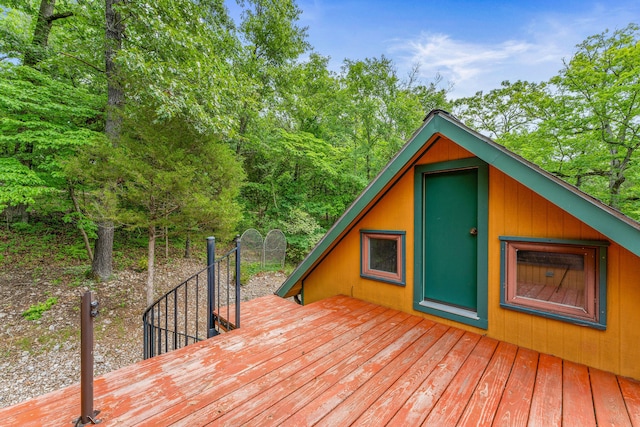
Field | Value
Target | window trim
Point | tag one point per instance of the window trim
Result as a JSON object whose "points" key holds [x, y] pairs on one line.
{"points": [[595, 315], [366, 272]]}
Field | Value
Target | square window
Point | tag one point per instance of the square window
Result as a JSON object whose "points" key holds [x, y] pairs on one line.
{"points": [[382, 255], [557, 279]]}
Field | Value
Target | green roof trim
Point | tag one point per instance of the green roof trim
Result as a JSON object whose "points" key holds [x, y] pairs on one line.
{"points": [[611, 223]]}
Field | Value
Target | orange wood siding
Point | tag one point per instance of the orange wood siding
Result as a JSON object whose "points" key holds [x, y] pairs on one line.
{"points": [[514, 210]]}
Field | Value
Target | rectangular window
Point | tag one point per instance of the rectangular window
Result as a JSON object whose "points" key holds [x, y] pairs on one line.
{"points": [[564, 280], [382, 256]]}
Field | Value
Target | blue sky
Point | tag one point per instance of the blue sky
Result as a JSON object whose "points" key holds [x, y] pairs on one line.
{"points": [[472, 44]]}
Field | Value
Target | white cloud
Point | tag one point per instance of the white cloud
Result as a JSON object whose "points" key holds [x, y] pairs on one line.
{"points": [[534, 54], [474, 66]]}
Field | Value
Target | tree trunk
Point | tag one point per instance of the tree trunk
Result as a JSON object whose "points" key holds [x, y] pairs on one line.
{"points": [[187, 247], [166, 242], [114, 32], [41, 32], [101, 267], [151, 264], [85, 238]]}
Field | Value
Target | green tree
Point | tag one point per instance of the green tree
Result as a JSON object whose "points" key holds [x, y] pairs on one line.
{"points": [[504, 111], [43, 122], [583, 125], [381, 111], [270, 42], [600, 88], [173, 176]]}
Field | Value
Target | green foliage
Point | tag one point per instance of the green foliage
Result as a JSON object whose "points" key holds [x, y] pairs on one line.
{"points": [[143, 264], [227, 127], [302, 233], [583, 125], [76, 251], [19, 184], [14, 33], [43, 122], [35, 311], [172, 175], [183, 67]]}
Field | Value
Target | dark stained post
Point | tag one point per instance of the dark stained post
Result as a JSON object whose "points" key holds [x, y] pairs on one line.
{"points": [[88, 310], [211, 259]]}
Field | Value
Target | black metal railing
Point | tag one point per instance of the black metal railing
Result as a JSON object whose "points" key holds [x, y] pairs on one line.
{"points": [[197, 308]]}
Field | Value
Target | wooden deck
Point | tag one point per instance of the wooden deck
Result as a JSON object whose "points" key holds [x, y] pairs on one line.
{"points": [[341, 362]]}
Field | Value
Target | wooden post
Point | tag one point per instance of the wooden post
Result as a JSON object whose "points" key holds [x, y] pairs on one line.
{"points": [[88, 310]]}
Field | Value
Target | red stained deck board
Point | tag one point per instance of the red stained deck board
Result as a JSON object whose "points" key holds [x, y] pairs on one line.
{"points": [[143, 384], [330, 368], [631, 393], [227, 384], [392, 399], [424, 398], [386, 379], [607, 400], [484, 401], [345, 400], [547, 392], [301, 398], [226, 395], [454, 400], [577, 402], [247, 346], [516, 400], [339, 361]]}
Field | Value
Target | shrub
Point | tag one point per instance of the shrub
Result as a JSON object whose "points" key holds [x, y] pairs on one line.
{"points": [[35, 311]]}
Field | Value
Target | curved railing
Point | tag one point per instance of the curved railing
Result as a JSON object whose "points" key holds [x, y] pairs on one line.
{"points": [[204, 305]]}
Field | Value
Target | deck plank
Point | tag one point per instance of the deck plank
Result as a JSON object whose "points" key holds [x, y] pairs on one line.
{"points": [[631, 393], [607, 400], [516, 399], [451, 405], [137, 383], [577, 402], [547, 393], [328, 371], [279, 412], [227, 380], [300, 369], [392, 399], [484, 401], [420, 403], [347, 411], [320, 407], [246, 345]]}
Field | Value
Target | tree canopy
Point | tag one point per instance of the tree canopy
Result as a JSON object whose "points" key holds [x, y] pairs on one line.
{"points": [[171, 118], [582, 125]]}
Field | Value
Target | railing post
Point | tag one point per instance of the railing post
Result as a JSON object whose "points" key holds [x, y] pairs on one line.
{"points": [[211, 260], [88, 310], [238, 281]]}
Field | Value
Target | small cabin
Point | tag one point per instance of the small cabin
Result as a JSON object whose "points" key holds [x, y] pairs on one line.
{"points": [[460, 230]]}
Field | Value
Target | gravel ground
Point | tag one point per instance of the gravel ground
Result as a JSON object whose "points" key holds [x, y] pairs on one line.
{"points": [[40, 356]]}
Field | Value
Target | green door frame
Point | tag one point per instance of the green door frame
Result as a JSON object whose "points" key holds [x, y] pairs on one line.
{"points": [[479, 318]]}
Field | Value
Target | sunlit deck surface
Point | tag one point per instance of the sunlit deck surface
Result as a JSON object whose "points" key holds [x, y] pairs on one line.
{"points": [[342, 362]]}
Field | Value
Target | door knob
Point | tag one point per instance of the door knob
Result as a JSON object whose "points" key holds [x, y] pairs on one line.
{"points": [[473, 231]]}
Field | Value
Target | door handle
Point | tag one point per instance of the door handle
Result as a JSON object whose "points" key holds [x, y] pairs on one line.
{"points": [[473, 231]]}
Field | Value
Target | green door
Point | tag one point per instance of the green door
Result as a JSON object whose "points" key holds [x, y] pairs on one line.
{"points": [[450, 238]]}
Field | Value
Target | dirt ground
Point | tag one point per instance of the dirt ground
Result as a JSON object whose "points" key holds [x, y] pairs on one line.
{"points": [[38, 356]]}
